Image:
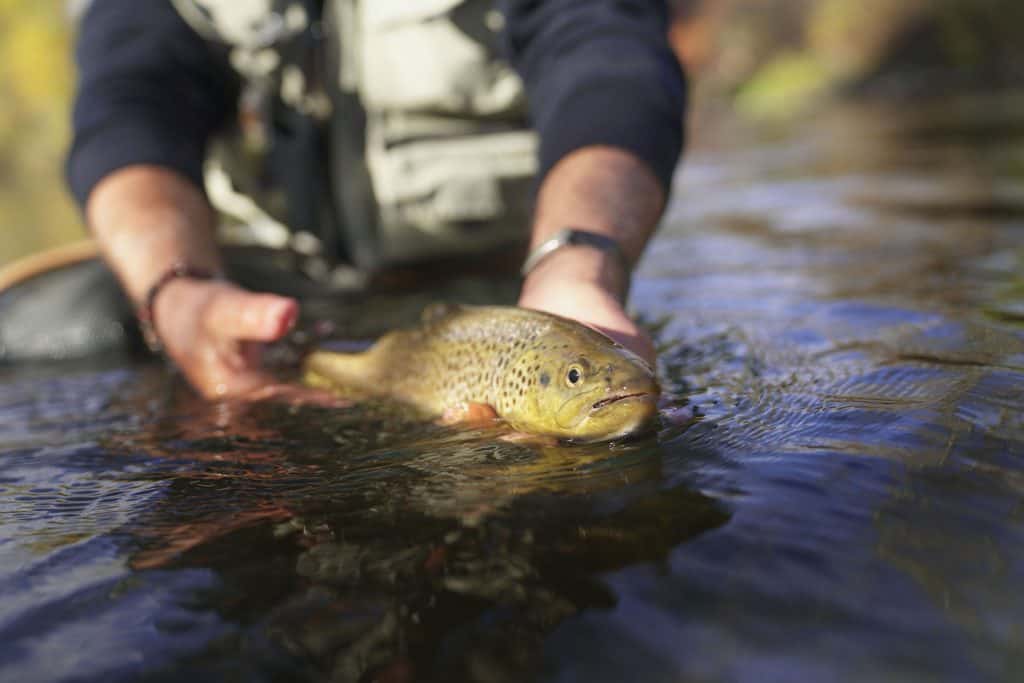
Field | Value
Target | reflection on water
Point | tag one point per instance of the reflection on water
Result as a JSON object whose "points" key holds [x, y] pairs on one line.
{"points": [[839, 305]]}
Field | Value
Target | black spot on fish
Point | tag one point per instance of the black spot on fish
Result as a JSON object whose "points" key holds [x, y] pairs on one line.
{"points": [[545, 379]]}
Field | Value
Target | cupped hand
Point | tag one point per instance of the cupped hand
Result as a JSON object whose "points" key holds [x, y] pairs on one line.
{"points": [[594, 301], [215, 332]]}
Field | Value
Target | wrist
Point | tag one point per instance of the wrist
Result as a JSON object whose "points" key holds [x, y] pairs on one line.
{"points": [[164, 297], [147, 219], [576, 266]]}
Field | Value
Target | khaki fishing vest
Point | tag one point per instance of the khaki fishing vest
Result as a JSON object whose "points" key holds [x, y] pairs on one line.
{"points": [[389, 126]]}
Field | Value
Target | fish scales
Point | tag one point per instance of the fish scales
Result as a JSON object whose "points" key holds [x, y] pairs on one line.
{"points": [[541, 373], [459, 358]]}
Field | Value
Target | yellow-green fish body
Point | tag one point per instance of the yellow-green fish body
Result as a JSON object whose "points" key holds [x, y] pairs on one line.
{"points": [[541, 373]]}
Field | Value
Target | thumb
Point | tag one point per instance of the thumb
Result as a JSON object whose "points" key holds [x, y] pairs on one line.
{"points": [[239, 314]]}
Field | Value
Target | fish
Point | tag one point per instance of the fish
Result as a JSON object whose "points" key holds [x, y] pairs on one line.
{"points": [[542, 374]]}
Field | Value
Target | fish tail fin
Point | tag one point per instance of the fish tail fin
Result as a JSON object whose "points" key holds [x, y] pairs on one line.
{"points": [[331, 370]]}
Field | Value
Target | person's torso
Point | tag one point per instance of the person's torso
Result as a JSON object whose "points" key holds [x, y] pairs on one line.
{"points": [[391, 127]]}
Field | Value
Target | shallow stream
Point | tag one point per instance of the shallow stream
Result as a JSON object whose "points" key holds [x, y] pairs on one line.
{"points": [[839, 303]]}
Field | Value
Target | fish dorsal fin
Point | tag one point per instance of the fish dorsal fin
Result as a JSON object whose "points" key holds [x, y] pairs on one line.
{"points": [[437, 310]]}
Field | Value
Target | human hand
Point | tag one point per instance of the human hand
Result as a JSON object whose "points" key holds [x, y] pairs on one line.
{"points": [[215, 332], [587, 286]]}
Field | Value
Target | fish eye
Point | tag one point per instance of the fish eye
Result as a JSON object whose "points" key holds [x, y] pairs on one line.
{"points": [[574, 375]]}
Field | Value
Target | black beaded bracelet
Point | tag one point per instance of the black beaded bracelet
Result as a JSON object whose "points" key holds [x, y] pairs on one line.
{"points": [[147, 320]]}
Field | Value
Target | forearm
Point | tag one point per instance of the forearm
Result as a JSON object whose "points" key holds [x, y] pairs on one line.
{"points": [[607, 98], [146, 219], [603, 190]]}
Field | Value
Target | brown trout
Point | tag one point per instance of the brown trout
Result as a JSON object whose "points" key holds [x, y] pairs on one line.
{"points": [[542, 374]]}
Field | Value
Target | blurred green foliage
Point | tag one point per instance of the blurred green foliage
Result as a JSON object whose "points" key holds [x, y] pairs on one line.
{"points": [[776, 58], [35, 90]]}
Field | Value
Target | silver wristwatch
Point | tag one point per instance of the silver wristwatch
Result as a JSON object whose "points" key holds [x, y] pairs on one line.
{"points": [[572, 237]]}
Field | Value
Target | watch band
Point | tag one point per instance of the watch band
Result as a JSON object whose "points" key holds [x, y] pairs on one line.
{"points": [[572, 237]]}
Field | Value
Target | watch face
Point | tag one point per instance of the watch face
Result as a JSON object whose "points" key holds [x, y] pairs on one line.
{"points": [[592, 239]]}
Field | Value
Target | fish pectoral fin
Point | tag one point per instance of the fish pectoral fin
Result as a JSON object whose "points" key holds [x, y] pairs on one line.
{"points": [[479, 414]]}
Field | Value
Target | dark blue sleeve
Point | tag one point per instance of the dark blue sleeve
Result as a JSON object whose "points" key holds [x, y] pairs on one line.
{"points": [[150, 91], [599, 72]]}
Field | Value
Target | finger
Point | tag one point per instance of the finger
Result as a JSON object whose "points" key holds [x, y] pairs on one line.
{"points": [[239, 314]]}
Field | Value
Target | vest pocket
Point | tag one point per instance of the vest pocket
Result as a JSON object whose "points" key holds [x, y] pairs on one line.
{"points": [[452, 195]]}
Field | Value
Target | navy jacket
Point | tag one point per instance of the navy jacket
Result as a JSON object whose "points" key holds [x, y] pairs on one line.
{"points": [[151, 91]]}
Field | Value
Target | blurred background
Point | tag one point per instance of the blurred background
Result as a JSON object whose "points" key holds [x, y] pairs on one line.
{"points": [[36, 81], [760, 60]]}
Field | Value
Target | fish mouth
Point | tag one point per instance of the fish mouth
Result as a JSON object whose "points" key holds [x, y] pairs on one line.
{"points": [[604, 402]]}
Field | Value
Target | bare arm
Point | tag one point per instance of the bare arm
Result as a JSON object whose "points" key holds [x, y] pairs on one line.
{"points": [[607, 98], [146, 220], [608, 191], [151, 92]]}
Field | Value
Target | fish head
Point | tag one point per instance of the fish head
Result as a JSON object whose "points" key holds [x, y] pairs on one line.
{"points": [[583, 388]]}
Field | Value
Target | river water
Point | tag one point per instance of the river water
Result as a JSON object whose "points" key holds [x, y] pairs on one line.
{"points": [[838, 304]]}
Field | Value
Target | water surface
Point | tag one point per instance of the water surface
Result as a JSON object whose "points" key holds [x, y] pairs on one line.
{"points": [[839, 303]]}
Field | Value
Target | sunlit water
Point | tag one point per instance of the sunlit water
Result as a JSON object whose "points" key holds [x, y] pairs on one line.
{"points": [[839, 304]]}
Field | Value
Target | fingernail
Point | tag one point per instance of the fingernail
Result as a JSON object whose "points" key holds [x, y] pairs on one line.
{"points": [[283, 315]]}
